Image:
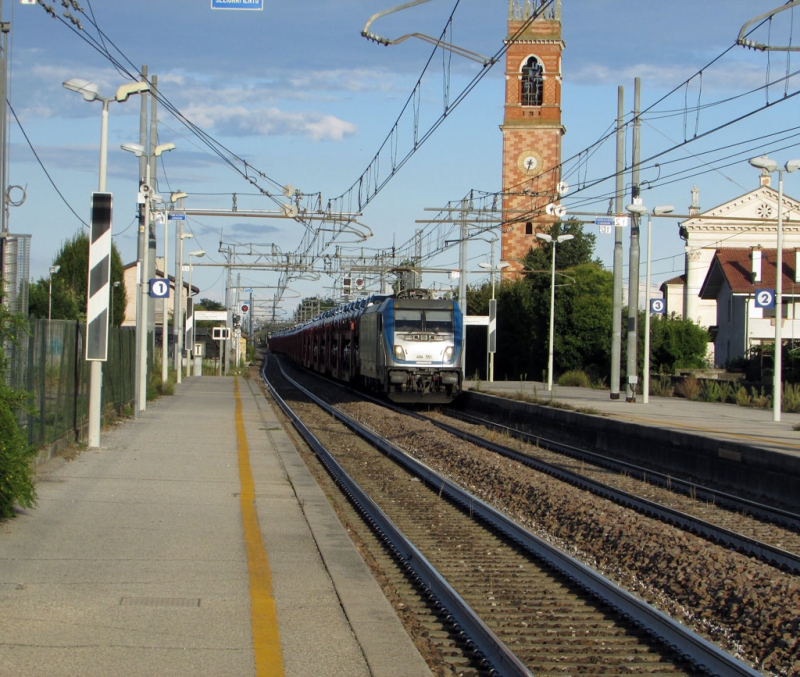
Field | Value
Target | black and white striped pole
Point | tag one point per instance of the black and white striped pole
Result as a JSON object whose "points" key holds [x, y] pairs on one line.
{"points": [[97, 302]]}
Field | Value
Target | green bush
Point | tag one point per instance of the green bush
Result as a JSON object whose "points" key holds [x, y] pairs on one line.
{"points": [[575, 379], [661, 386], [760, 400], [790, 402], [716, 391], [744, 398], [16, 456], [688, 387]]}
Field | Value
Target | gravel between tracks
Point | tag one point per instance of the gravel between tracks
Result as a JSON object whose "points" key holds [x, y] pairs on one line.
{"points": [[750, 608]]}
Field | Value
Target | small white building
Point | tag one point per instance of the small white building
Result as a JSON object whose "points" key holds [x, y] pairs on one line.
{"points": [[732, 282], [745, 223]]}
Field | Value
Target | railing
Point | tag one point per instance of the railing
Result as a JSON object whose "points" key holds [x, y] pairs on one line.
{"points": [[49, 363]]}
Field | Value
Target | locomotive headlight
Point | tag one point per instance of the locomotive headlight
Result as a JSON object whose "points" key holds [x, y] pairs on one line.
{"points": [[448, 353], [399, 353]]}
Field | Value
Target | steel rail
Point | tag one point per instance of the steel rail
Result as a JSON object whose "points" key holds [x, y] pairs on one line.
{"points": [[766, 512], [487, 646], [774, 556], [694, 648]]}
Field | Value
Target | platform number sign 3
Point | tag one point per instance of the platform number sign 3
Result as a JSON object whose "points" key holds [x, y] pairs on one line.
{"points": [[765, 298], [658, 306]]}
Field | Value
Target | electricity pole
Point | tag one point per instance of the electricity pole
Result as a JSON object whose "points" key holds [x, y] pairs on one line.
{"points": [[633, 268]]}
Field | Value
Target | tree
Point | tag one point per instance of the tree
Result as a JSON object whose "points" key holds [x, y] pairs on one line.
{"points": [[675, 342], [208, 304], [574, 252], [516, 337], [583, 310], [69, 284]]}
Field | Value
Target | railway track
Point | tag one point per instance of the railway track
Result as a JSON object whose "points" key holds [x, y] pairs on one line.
{"points": [[761, 531], [542, 609]]}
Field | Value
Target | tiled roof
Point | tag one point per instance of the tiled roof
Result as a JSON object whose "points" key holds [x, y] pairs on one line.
{"points": [[734, 266], [680, 279]]}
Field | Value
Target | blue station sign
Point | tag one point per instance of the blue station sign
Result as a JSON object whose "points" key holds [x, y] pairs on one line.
{"points": [[237, 4]]}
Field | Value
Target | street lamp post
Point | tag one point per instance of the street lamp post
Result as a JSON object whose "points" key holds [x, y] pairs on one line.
{"points": [[553, 242], [141, 306], [200, 253], [658, 211], [53, 271], [89, 91], [179, 306], [491, 330], [164, 313], [766, 164]]}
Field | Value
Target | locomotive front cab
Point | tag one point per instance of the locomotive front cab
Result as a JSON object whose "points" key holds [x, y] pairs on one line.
{"points": [[423, 343]]}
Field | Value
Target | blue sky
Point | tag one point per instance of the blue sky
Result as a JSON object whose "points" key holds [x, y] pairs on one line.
{"points": [[297, 93]]}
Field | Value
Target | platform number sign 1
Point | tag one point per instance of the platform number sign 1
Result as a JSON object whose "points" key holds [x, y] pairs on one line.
{"points": [[658, 306], [159, 288], [765, 298]]}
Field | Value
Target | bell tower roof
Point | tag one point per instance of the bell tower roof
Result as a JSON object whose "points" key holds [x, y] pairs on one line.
{"points": [[522, 10]]}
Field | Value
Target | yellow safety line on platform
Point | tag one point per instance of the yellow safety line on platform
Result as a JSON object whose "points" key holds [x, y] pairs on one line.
{"points": [[263, 616]]}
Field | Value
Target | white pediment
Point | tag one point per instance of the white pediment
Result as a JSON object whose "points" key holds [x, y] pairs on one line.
{"points": [[756, 210]]}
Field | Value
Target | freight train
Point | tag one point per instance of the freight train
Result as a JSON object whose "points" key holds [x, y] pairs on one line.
{"points": [[406, 347]]}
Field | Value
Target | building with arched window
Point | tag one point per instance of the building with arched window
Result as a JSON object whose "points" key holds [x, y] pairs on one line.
{"points": [[531, 128]]}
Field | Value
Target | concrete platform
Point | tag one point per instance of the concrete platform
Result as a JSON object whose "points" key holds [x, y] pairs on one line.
{"points": [[747, 425], [137, 561]]}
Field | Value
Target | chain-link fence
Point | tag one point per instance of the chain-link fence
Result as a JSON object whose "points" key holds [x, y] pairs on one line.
{"points": [[49, 363]]}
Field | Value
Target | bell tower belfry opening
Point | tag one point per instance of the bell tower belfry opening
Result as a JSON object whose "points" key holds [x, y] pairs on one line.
{"points": [[532, 128]]}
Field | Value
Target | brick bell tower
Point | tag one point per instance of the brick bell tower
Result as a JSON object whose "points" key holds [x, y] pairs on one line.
{"points": [[532, 128]]}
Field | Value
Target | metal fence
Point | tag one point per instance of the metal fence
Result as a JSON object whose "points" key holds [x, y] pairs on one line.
{"points": [[49, 363]]}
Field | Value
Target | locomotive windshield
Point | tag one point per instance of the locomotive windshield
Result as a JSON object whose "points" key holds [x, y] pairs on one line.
{"points": [[439, 321], [407, 319]]}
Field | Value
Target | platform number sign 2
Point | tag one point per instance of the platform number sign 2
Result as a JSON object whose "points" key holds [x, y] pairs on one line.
{"points": [[765, 298]]}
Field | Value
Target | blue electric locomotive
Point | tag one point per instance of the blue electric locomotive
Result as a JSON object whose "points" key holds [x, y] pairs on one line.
{"points": [[408, 348]]}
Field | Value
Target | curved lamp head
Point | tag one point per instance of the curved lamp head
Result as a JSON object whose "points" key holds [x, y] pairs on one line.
{"points": [[636, 209], [763, 162], [200, 253], [163, 148], [124, 91], [88, 90], [136, 148]]}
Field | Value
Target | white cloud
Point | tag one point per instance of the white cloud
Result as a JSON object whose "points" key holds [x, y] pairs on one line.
{"points": [[242, 121]]}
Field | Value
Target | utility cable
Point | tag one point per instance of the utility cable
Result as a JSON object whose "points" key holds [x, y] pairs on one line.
{"points": [[41, 164]]}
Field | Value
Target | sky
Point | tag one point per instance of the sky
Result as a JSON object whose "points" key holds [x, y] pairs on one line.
{"points": [[295, 93]]}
